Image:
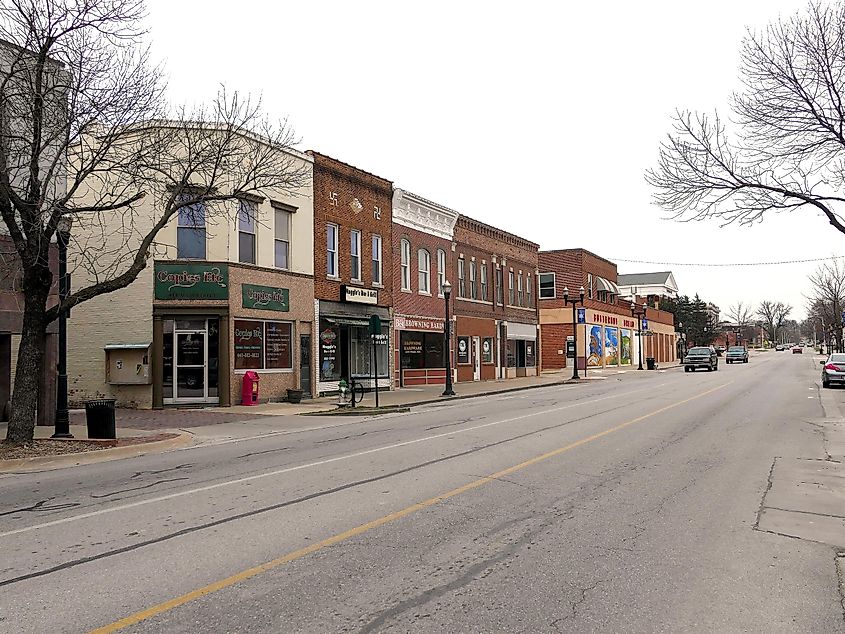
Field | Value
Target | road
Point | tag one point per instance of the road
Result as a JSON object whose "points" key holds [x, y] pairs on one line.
{"points": [[622, 505]]}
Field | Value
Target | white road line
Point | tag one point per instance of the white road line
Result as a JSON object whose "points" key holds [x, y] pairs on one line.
{"points": [[269, 474]]}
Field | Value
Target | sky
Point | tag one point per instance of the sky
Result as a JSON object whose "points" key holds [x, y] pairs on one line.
{"points": [[537, 117]]}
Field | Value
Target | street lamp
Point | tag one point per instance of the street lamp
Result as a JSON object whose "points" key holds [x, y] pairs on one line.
{"points": [[62, 423], [447, 335], [683, 347], [575, 303], [639, 313]]}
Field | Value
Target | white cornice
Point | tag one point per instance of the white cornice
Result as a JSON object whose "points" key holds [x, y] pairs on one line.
{"points": [[416, 212]]}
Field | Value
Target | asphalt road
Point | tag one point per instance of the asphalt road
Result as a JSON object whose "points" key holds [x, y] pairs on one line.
{"points": [[623, 505]]}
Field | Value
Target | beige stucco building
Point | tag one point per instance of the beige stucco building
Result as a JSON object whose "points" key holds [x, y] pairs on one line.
{"points": [[228, 288]]}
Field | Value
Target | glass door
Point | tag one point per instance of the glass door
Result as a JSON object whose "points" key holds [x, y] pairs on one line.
{"points": [[191, 351]]}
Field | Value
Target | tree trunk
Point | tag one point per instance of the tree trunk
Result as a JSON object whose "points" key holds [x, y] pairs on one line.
{"points": [[36, 288]]}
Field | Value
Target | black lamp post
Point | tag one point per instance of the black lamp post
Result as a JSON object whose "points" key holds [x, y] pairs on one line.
{"points": [[447, 335], [575, 303], [62, 424], [639, 313], [682, 349]]}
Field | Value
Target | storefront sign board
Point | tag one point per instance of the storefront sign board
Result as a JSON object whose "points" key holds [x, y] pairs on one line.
{"points": [[198, 280], [428, 324], [357, 295], [265, 297]]}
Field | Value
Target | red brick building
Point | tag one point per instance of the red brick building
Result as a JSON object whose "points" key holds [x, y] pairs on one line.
{"points": [[353, 251], [422, 236], [606, 329], [494, 293]]}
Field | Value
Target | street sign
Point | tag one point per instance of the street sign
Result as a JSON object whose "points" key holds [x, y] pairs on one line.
{"points": [[375, 325], [582, 315], [645, 324]]}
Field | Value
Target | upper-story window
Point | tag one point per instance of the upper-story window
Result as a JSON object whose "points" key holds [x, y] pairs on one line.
{"points": [[590, 285], [511, 289], [529, 292], [331, 250], [462, 283], [520, 297], [377, 260], [424, 266], [405, 264], [441, 270], [190, 232], [355, 254], [484, 281], [500, 286], [547, 285], [473, 289], [282, 239], [246, 231]]}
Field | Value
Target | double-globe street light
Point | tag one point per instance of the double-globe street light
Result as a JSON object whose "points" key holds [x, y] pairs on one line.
{"points": [[575, 302], [447, 337], [62, 423], [639, 313]]}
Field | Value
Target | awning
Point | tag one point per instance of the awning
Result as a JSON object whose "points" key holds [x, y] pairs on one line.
{"points": [[527, 332], [347, 321], [127, 346], [606, 285]]}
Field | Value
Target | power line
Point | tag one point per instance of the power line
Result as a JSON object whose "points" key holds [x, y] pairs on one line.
{"points": [[712, 264]]}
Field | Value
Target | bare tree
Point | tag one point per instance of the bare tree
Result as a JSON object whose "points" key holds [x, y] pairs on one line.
{"points": [[85, 135], [773, 317], [740, 314], [788, 149], [827, 297]]}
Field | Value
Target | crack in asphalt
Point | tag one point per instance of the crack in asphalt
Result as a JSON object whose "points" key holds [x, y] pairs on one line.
{"points": [[138, 474], [261, 453], [40, 506], [144, 486], [350, 436]]}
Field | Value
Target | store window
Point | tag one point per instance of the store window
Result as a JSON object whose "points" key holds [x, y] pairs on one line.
{"points": [[530, 354], [355, 254], [483, 281], [463, 350], [547, 285], [190, 232], [487, 350], [282, 239], [376, 260], [329, 351], [462, 283], [331, 250], [405, 264], [246, 231], [511, 353], [441, 270], [421, 350], [361, 352], [263, 345], [424, 266]]}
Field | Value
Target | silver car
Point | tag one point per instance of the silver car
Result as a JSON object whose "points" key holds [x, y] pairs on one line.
{"points": [[833, 370]]}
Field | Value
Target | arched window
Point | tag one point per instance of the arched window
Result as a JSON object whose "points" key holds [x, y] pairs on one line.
{"points": [[405, 255], [424, 259]]}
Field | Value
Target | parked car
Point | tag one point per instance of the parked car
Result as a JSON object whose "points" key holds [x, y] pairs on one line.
{"points": [[701, 357], [798, 350], [833, 370], [737, 354]]}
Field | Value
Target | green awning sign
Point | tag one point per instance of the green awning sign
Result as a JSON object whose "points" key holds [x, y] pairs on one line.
{"points": [[200, 280], [265, 297]]}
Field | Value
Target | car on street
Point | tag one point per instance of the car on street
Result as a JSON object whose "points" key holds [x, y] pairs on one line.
{"points": [[833, 370], [737, 354], [701, 357], [798, 350], [779, 347]]}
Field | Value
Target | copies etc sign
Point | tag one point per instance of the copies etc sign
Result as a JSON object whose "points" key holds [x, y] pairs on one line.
{"points": [[201, 280]]}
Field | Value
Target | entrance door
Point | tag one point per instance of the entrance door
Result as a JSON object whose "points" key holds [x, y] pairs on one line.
{"points": [[476, 359], [305, 364], [192, 347]]}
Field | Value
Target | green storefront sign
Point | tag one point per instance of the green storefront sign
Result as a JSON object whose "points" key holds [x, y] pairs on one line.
{"points": [[191, 281], [266, 297]]}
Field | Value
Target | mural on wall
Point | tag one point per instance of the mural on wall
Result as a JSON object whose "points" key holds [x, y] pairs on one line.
{"points": [[611, 345], [594, 359], [625, 350]]}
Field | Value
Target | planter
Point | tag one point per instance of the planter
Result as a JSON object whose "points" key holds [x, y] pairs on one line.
{"points": [[294, 396]]}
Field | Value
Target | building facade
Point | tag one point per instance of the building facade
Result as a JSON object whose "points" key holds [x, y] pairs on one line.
{"points": [[494, 299], [606, 332], [661, 284], [422, 232], [353, 278], [229, 289]]}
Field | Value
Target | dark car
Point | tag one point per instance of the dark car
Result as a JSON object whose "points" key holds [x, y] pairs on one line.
{"points": [[833, 370], [798, 350], [737, 354], [701, 357]]}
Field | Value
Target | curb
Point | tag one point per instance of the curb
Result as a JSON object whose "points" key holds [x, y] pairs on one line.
{"points": [[361, 411], [51, 463]]}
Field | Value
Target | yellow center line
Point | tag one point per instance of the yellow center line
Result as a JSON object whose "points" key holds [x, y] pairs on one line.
{"points": [[166, 606]]}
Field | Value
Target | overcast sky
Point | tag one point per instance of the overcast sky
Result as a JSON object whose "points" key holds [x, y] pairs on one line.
{"points": [[539, 118]]}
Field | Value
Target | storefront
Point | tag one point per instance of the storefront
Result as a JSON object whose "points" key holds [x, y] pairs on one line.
{"points": [[212, 324], [521, 350], [607, 339], [345, 349], [420, 347]]}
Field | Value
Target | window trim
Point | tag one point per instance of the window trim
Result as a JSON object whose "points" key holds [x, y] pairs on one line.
{"points": [[500, 286], [424, 255], [355, 244], [473, 279], [554, 285], [405, 264], [511, 289], [462, 278], [528, 291], [192, 227], [376, 239], [276, 211], [336, 252], [520, 296], [441, 271]]}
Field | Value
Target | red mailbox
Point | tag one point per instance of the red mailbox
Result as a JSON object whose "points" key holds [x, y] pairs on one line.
{"points": [[249, 389]]}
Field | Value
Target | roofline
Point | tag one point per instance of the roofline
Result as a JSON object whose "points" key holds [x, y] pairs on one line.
{"points": [[425, 201], [583, 250], [507, 234], [315, 153]]}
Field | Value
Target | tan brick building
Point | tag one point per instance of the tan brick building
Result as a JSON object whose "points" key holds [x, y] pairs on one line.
{"points": [[352, 273], [226, 293], [422, 232], [494, 291], [605, 330]]}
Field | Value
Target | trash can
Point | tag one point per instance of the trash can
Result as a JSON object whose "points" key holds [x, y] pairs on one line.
{"points": [[650, 363], [99, 415]]}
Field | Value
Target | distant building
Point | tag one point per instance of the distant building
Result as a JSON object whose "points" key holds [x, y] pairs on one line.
{"points": [[661, 284]]}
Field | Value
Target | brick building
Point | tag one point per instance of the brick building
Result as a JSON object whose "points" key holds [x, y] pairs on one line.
{"points": [[352, 272], [494, 291], [606, 329], [422, 232]]}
